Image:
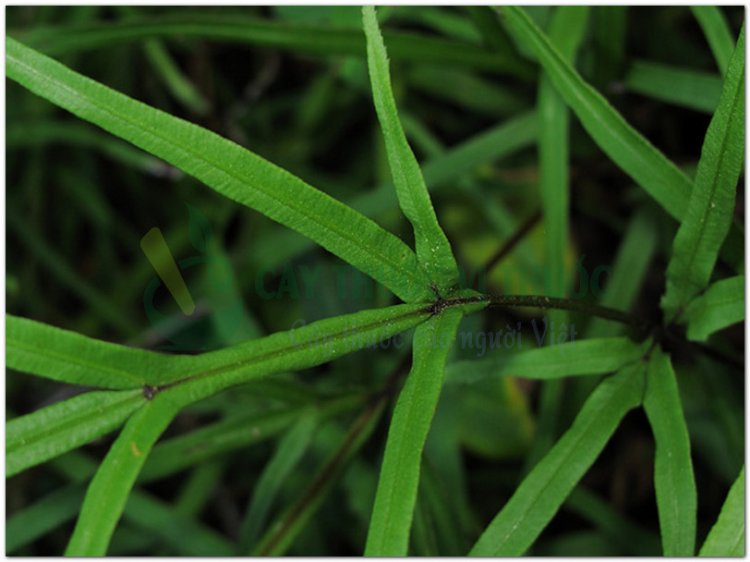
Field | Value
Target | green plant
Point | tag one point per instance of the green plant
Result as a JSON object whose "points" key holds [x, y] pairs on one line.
{"points": [[144, 391]]}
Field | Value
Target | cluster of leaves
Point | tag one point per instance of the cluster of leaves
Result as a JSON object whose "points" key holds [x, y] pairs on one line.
{"points": [[415, 499]]}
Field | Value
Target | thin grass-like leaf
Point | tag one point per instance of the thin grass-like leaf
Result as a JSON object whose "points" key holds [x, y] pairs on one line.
{"points": [[543, 491], [440, 174], [295, 349], [709, 214], [76, 359], [229, 169], [54, 430], [433, 249], [307, 39], [196, 447], [624, 145], [42, 516], [567, 30], [633, 537], [288, 453], [676, 496], [186, 536], [41, 133], [685, 87], [722, 305], [178, 85], [396, 496], [109, 490], [628, 272], [716, 29], [584, 357], [727, 536]]}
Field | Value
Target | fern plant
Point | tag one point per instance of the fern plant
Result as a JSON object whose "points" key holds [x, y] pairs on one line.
{"points": [[139, 392]]}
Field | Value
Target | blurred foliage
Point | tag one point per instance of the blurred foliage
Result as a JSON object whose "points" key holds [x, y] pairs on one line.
{"points": [[79, 201]]}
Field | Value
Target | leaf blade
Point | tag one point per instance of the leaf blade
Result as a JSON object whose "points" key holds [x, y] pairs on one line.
{"points": [[583, 357], [673, 468], [395, 499], [76, 359], [540, 495], [722, 305], [432, 246], [716, 29], [108, 492], [709, 214], [226, 167], [681, 86], [54, 430], [727, 536], [624, 145], [288, 453]]}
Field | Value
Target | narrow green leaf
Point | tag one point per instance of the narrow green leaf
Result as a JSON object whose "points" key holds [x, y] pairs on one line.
{"points": [[440, 173], [61, 355], [228, 168], [200, 376], [392, 514], [540, 495], [288, 453], [433, 249], [631, 536], [722, 305], [624, 145], [628, 272], [178, 85], [566, 32], [234, 432], [709, 214], [186, 536], [71, 133], [288, 525], [584, 357], [469, 91], [686, 87], [307, 39], [54, 430], [43, 516], [65, 275], [296, 349], [109, 490], [727, 536], [716, 29], [676, 496]]}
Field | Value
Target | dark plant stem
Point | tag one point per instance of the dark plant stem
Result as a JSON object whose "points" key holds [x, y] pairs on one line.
{"points": [[513, 241], [543, 302], [536, 301]]}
